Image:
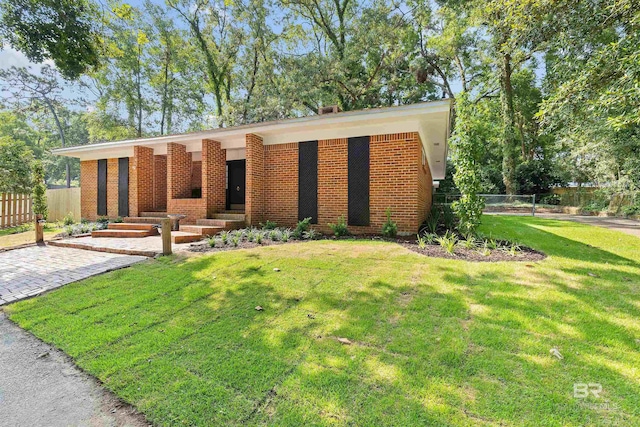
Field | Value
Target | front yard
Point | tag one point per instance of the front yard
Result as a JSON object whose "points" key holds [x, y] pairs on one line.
{"points": [[431, 341], [25, 234]]}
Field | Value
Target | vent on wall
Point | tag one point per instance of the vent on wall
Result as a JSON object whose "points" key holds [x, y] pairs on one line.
{"points": [[331, 109]]}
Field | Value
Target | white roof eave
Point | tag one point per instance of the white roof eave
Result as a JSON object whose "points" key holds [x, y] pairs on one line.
{"points": [[431, 118]]}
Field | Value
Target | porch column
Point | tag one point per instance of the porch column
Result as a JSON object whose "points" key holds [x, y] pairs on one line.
{"points": [[140, 180], [178, 172], [254, 205], [214, 161]]}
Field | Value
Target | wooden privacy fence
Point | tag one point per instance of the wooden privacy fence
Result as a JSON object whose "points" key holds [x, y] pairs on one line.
{"points": [[15, 209], [61, 202]]}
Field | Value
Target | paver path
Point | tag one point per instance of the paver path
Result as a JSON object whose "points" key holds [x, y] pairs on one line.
{"points": [[40, 386], [29, 271]]}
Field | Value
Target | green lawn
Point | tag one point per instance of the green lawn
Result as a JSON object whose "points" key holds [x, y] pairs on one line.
{"points": [[435, 341], [24, 234]]}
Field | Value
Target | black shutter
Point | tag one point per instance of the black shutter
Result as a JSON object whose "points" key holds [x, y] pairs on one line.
{"points": [[358, 181], [123, 186], [308, 181], [102, 187]]}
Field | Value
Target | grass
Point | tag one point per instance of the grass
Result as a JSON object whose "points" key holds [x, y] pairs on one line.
{"points": [[23, 234], [434, 341]]}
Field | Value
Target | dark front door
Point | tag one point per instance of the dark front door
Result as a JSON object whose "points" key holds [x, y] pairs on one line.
{"points": [[102, 187], [123, 186], [236, 170]]}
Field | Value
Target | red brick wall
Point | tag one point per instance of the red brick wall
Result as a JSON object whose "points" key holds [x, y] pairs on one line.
{"points": [[394, 161], [332, 181], [112, 188], [178, 172], [254, 187], [141, 171], [89, 189], [194, 209], [214, 175], [196, 174], [398, 181], [281, 183], [425, 189], [160, 182]]}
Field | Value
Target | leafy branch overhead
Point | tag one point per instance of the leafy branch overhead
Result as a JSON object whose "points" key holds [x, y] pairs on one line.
{"points": [[551, 83]]}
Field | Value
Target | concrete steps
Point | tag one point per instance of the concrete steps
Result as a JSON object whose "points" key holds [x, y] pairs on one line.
{"points": [[124, 233], [154, 214], [202, 230], [224, 224], [230, 216], [130, 226], [184, 237], [143, 219]]}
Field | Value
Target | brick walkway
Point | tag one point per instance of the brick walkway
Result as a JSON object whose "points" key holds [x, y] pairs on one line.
{"points": [[29, 271], [146, 246]]}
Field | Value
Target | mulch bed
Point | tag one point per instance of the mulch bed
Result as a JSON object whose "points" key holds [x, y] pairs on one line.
{"points": [[203, 246], [464, 254], [435, 251]]}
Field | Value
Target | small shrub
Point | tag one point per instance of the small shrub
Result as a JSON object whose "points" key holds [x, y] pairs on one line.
{"points": [[340, 227], [301, 228], [224, 236], [251, 235], [285, 235], [103, 220], [68, 219], [389, 228], [469, 243], [275, 235], [433, 219], [212, 242], [310, 235], [551, 199], [448, 242], [514, 249], [448, 218], [491, 243], [241, 233], [485, 251], [118, 220], [259, 236], [630, 210], [235, 240], [268, 225], [422, 241]]}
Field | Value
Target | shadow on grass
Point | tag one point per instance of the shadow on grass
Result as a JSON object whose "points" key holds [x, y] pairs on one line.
{"points": [[449, 344], [530, 231]]}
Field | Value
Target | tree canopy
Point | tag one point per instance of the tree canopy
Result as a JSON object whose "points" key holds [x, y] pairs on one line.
{"points": [[551, 91]]}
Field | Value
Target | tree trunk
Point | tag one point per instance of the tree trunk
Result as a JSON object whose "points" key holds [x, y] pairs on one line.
{"points": [[508, 127], [67, 167], [139, 94]]}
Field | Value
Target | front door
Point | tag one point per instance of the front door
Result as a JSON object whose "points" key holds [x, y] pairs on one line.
{"points": [[236, 170]]}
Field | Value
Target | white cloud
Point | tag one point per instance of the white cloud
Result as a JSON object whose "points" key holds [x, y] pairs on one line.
{"points": [[10, 57]]}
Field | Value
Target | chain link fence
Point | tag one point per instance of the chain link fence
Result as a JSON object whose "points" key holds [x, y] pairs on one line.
{"points": [[517, 203]]}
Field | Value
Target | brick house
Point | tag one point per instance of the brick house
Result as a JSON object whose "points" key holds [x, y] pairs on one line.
{"points": [[354, 164]]}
